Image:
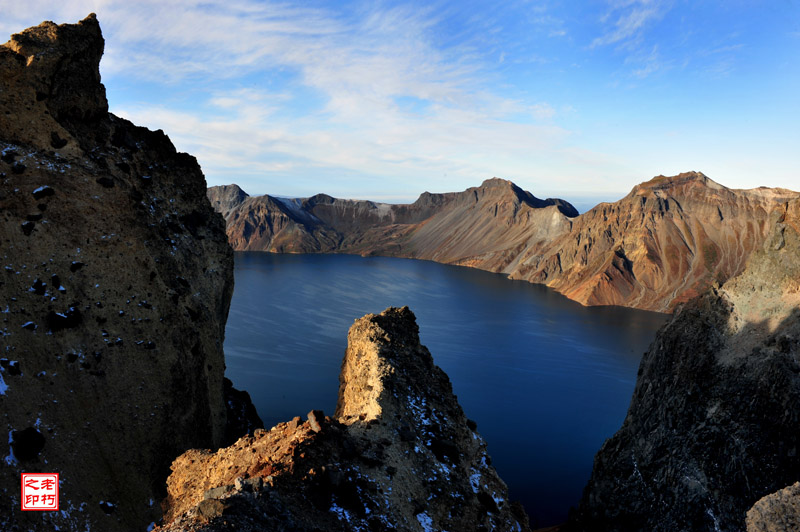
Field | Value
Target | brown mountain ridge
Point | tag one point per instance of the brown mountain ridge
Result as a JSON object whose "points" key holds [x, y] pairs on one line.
{"points": [[665, 242]]}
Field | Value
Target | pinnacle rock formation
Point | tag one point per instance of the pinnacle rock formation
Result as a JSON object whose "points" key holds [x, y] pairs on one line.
{"points": [[398, 454], [664, 243], [712, 426], [114, 292]]}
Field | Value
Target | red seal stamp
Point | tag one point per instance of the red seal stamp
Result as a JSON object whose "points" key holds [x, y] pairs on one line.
{"points": [[40, 491]]}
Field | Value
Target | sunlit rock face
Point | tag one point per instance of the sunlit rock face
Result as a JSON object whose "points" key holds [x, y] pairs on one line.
{"points": [[664, 243], [712, 426], [483, 226], [114, 291], [398, 454], [667, 241], [776, 512]]}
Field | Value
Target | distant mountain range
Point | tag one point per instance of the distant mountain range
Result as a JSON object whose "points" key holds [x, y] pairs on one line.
{"points": [[665, 242]]}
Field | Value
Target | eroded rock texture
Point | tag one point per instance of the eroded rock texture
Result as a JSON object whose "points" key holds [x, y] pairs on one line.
{"points": [[399, 454], [483, 226], [776, 512], [114, 291], [664, 243], [712, 425]]}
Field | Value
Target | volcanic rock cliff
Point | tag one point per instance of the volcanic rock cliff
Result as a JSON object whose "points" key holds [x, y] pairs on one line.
{"points": [[712, 425], [664, 243], [114, 292], [776, 512], [476, 227], [398, 454]]}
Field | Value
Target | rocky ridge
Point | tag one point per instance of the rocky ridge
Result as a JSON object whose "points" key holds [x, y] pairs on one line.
{"points": [[664, 243], [398, 454], [450, 228], [114, 292], [712, 425]]}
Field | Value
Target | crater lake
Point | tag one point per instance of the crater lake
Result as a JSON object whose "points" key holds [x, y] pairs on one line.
{"points": [[546, 379]]}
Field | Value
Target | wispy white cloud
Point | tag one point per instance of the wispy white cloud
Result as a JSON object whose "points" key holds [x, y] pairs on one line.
{"points": [[460, 143], [289, 96], [390, 101], [626, 20], [648, 63], [720, 60]]}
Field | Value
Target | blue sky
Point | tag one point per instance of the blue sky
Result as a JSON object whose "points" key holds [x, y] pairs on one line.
{"points": [[384, 100]]}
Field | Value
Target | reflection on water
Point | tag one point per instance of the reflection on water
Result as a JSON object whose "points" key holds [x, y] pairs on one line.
{"points": [[546, 379]]}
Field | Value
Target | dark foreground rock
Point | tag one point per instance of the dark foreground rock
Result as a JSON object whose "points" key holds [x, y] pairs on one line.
{"points": [[399, 454], [242, 417], [777, 512], [115, 283], [712, 426]]}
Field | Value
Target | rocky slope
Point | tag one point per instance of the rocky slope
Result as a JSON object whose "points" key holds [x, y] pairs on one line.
{"points": [[226, 198], [477, 227], [664, 243], [712, 425], [776, 512], [398, 454], [114, 291]]}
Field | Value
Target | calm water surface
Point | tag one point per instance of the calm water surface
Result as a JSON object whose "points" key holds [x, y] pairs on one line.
{"points": [[546, 380]]}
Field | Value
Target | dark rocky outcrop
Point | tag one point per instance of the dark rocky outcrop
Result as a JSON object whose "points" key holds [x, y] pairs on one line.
{"points": [[712, 425], [242, 417], [114, 291], [664, 243], [399, 454]]}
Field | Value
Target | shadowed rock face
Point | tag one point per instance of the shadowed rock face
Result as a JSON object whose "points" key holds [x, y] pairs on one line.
{"points": [[664, 243], [399, 454], [226, 198], [114, 291], [712, 425]]}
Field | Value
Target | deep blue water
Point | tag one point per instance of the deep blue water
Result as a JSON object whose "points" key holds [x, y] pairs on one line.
{"points": [[546, 379]]}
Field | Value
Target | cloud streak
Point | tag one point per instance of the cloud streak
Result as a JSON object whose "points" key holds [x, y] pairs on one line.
{"points": [[632, 18], [359, 99], [389, 100]]}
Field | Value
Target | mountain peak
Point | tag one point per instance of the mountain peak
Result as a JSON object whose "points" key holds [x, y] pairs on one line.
{"points": [[523, 196], [496, 182], [62, 63], [50, 81], [225, 198], [682, 180]]}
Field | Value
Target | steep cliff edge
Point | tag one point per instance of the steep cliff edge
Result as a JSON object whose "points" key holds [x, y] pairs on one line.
{"points": [[114, 292], [664, 243], [399, 454], [712, 425], [226, 198]]}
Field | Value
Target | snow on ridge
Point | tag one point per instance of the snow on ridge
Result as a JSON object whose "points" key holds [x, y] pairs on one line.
{"points": [[294, 205]]}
